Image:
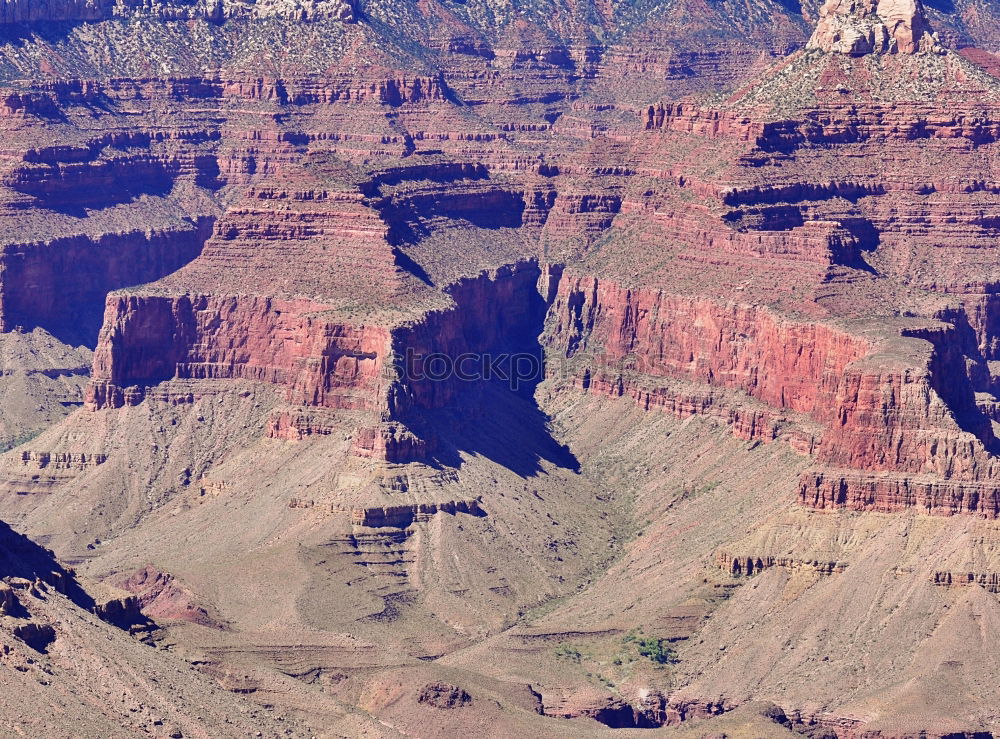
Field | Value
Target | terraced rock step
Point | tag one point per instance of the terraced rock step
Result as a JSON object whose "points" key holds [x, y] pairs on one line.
{"points": [[401, 516]]}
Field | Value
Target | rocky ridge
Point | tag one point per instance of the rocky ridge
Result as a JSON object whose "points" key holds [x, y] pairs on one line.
{"points": [[25, 11]]}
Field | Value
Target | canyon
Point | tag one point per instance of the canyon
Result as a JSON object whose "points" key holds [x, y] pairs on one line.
{"points": [[715, 452]]}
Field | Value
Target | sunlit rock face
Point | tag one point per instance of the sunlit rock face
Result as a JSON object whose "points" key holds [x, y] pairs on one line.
{"points": [[859, 27]]}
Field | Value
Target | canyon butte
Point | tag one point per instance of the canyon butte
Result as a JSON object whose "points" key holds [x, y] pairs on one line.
{"points": [[753, 489]]}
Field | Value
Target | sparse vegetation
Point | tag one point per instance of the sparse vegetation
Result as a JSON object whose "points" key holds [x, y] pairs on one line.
{"points": [[652, 648], [569, 652], [16, 441]]}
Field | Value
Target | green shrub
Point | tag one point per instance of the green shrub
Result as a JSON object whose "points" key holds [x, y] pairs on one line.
{"points": [[654, 649], [567, 651]]}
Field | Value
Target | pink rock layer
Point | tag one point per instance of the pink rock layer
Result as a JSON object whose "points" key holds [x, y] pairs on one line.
{"points": [[878, 407], [148, 339]]}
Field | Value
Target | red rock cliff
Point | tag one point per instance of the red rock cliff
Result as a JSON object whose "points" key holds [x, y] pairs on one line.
{"points": [[869, 403], [147, 339]]}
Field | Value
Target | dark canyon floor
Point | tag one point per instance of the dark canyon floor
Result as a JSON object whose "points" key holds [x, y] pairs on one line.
{"points": [[753, 490]]}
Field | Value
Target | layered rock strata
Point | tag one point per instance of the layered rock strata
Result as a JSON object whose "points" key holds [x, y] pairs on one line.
{"points": [[25, 11]]}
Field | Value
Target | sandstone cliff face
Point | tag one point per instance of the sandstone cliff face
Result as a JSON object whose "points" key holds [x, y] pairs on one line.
{"points": [[389, 442], [403, 516], [149, 339], [889, 493], [858, 27], [909, 423], [57, 284], [493, 316], [939, 396], [622, 333], [321, 363], [882, 404]]}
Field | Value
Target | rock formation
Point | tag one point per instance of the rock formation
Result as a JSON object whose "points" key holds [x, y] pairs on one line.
{"points": [[859, 27], [444, 696], [429, 339]]}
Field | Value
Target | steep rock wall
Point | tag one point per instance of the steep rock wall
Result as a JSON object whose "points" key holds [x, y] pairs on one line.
{"points": [[148, 339], [61, 285], [893, 493], [783, 363], [829, 123], [872, 408], [321, 362], [494, 315]]}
